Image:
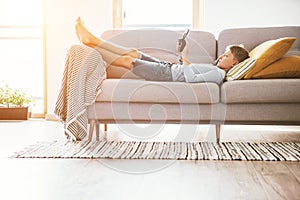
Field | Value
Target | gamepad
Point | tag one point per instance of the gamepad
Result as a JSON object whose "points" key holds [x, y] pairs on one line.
{"points": [[181, 41]]}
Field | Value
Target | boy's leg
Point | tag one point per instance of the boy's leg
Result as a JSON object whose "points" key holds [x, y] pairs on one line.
{"points": [[120, 72], [152, 71], [109, 57], [92, 41]]}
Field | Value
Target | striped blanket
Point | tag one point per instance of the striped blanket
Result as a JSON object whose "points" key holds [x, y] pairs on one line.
{"points": [[84, 72]]}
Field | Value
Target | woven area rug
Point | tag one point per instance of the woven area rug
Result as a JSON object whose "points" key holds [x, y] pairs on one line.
{"points": [[275, 151]]}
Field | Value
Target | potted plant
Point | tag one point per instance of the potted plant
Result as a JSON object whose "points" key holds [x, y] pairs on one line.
{"points": [[14, 104]]}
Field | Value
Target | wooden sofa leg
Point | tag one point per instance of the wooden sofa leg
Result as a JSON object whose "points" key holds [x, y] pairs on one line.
{"points": [[105, 127], [97, 131], [92, 124], [218, 130]]}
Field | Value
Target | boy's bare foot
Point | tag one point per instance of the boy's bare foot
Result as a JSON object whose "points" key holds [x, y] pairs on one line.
{"points": [[85, 36], [88, 39]]}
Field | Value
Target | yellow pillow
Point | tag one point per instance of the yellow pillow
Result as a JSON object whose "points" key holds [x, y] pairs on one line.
{"points": [[268, 52], [286, 67]]}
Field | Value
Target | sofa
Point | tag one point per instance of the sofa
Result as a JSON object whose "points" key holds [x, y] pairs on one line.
{"points": [[260, 101]]}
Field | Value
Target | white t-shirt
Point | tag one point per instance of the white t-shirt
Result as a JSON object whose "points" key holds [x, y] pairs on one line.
{"points": [[195, 73]]}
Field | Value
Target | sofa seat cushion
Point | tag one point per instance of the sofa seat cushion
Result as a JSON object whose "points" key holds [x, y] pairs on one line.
{"points": [[261, 91], [130, 90]]}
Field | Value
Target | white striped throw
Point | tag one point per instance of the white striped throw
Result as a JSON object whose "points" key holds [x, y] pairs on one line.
{"points": [[84, 72]]}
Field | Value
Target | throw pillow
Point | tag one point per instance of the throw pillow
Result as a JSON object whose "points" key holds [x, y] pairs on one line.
{"points": [[238, 71], [268, 52], [286, 67]]}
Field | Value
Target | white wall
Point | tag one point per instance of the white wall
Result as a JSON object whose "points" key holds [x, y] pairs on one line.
{"points": [[221, 14], [60, 34]]}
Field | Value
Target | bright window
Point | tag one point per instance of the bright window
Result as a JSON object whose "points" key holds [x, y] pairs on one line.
{"points": [[21, 47], [177, 14]]}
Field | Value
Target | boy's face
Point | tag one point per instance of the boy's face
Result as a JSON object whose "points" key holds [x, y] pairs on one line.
{"points": [[227, 61]]}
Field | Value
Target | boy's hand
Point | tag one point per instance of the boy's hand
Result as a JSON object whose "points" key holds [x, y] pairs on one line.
{"points": [[181, 43]]}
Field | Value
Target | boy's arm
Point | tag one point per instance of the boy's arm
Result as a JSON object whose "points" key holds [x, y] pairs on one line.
{"points": [[215, 75], [185, 62], [185, 56]]}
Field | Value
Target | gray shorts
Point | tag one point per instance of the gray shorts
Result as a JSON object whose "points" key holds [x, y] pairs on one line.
{"points": [[152, 71]]}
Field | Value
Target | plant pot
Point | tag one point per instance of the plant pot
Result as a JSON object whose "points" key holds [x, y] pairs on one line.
{"points": [[14, 113]]}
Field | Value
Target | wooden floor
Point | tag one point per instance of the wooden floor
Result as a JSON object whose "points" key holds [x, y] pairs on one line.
{"points": [[145, 179]]}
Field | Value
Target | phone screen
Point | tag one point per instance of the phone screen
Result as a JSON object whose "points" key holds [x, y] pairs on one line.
{"points": [[185, 33]]}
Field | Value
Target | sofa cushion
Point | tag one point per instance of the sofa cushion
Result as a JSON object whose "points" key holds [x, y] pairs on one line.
{"points": [[261, 91], [286, 67], [268, 52], [125, 90]]}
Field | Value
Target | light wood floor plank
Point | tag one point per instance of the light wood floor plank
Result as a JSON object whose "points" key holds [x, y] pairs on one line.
{"points": [[294, 169], [277, 180]]}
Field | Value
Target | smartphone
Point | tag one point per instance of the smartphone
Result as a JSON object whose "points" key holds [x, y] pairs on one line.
{"points": [[181, 41], [186, 32]]}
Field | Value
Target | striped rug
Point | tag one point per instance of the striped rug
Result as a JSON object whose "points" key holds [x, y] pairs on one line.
{"points": [[274, 151]]}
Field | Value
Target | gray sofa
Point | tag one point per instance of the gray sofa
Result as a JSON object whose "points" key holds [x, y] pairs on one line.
{"points": [[256, 101]]}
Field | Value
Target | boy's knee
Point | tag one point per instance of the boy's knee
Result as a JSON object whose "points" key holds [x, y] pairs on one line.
{"points": [[133, 53], [127, 59]]}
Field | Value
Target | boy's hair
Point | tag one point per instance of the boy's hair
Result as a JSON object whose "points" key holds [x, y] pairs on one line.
{"points": [[239, 52]]}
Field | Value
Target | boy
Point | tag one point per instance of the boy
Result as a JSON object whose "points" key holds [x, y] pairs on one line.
{"points": [[153, 69]]}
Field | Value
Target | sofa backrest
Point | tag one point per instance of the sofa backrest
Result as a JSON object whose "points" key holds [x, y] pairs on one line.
{"points": [[251, 37], [204, 48], [202, 44]]}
